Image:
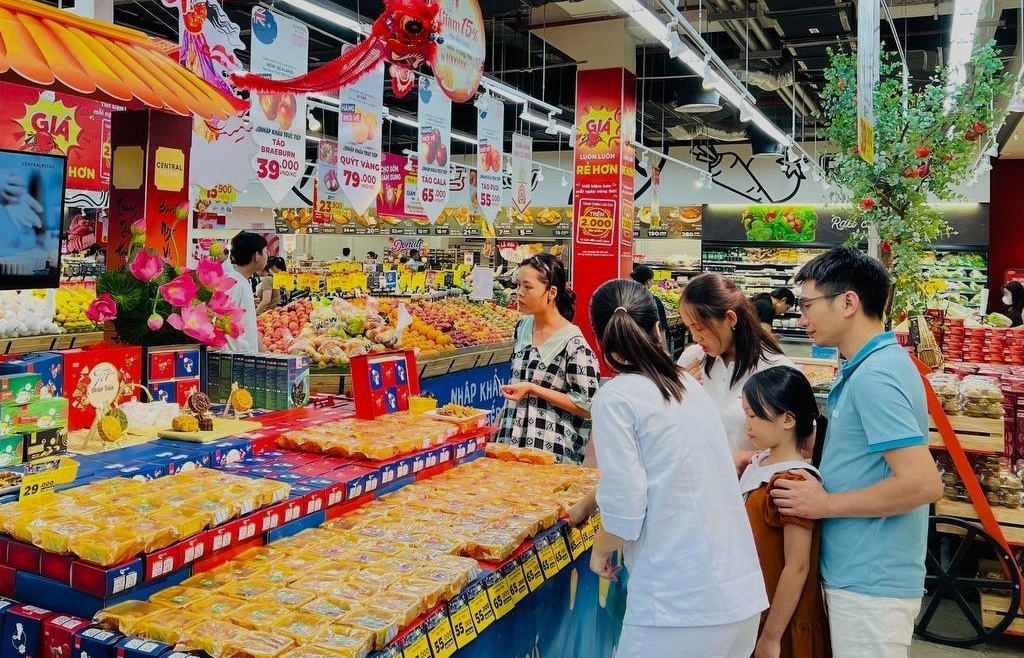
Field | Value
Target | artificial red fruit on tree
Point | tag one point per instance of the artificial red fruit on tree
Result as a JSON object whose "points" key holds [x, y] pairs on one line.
{"points": [[980, 128], [923, 151], [867, 203], [970, 135], [910, 173], [841, 84], [923, 171], [770, 215], [855, 151]]}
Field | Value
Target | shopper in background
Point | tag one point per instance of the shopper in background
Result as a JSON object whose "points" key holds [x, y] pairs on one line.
{"points": [[668, 496], [733, 346], [783, 422], [645, 277], [769, 306], [248, 256], [1013, 299], [554, 372], [415, 263], [267, 296], [879, 475], [346, 255]]}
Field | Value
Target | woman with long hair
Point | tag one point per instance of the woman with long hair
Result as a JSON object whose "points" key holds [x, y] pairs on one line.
{"points": [[668, 495], [733, 346], [554, 372], [1013, 298]]}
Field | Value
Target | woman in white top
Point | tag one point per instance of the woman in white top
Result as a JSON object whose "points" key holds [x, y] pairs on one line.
{"points": [[668, 495], [733, 346]]}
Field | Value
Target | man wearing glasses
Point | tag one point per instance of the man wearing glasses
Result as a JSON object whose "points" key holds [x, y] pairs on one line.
{"points": [[878, 474]]}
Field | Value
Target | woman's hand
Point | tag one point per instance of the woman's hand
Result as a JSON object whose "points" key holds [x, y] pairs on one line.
{"points": [[767, 647], [601, 564], [696, 370], [517, 391]]}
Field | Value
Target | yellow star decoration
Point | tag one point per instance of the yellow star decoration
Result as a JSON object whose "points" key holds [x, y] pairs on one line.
{"points": [[599, 126], [49, 122]]}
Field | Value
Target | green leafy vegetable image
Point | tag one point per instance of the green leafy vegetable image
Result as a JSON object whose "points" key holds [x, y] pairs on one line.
{"points": [[779, 223]]}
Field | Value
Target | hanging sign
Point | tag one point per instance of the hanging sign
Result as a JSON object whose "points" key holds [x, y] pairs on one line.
{"points": [[522, 171], [459, 63], [490, 130], [328, 185], [280, 49], [867, 77], [359, 157], [435, 116]]}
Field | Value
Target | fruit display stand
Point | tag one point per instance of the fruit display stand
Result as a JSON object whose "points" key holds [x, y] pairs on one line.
{"points": [[989, 601], [27, 344]]}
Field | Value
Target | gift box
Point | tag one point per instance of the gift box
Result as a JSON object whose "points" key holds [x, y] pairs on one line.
{"points": [[23, 629], [19, 388], [48, 365], [39, 415], [100, 374]]}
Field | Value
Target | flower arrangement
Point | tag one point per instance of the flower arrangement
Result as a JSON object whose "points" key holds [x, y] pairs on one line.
{"points": [[151, 302]]}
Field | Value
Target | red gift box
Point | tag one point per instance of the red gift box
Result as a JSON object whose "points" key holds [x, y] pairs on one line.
{"points": [[99, 372], [161, 366]]}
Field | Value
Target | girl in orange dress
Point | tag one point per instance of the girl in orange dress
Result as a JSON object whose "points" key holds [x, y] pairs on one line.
{"points": [[783, 422]]}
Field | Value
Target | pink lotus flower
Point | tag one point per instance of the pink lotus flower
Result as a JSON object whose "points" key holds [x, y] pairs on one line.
{"points": [[102, 308], [218, 340], [146, 265], [181, 291], [211, 274], [139, 227], [229, 315], [155, 322], [194, 322]]}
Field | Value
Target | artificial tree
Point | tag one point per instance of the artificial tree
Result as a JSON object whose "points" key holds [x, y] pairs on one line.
{"points": [[927, 142]]}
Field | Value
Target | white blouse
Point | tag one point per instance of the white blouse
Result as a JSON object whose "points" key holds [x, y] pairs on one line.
{"points": [[668, 487]]}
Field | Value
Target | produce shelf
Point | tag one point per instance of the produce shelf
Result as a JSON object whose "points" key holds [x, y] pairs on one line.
{"points": [[26, 344]]}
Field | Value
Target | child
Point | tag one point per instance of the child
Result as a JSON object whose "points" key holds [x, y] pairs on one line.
{"points": [[784, 423]]}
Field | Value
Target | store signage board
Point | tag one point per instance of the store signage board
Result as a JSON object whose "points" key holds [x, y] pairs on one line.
{"points": [[490, 130], [522, 172], [327, 188], [868, 59], [820, 224], [280, 49], [360, 112], [672, 222], [461, 49], [435, 118]]}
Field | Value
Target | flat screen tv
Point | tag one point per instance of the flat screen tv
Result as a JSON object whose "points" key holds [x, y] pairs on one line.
{"points": [[31, 211]]}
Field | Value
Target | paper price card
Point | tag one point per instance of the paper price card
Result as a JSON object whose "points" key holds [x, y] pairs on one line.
{"points": [[440, 635], [548, 563], [416, 645], [589, 532], [42, 477], [336, 282], [562, 556], [501, 597], [480, 607], [358, 280], [283, 280], [516, 582], [307, 281], [461, 618], [419, 281], [662, 275], [576, 543], [532, 570]]}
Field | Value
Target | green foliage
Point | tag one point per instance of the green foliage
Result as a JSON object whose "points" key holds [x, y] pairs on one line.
{"points": [[901, 182]]}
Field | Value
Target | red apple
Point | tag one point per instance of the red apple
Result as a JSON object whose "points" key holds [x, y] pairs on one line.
{"points": [[970, 135], [923, 151], [923, 171], [867, 203], [980, 128]]}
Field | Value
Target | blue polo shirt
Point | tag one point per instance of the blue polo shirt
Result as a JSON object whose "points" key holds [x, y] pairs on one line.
{"points": [[877, 404]]}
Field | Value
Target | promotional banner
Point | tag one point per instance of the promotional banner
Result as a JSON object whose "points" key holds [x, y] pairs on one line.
{"points": [[435, 117], [359, 127], [490, 134], [459, 64], [43, 121], [522, 172], [867, 77], [327, 189], [280, 49]]}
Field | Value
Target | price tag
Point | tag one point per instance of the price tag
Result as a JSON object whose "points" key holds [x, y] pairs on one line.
{"points": [[306, 281], [419, 281], [457, 276], [441, 637], [662, 275], [42, 477], [576, 546], [358, 280], [517, 584], [547, 560], [417, 646], [336, 282], [462, 622], [483, 612], [562, 557], [284, 280], [534, 574], [405, 281], [589, 531], [501, 597]]}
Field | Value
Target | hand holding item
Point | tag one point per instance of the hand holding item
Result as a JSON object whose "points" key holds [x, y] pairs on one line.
{"points": [[22, 208], [805, 498], [692, 361], [517, 391]]}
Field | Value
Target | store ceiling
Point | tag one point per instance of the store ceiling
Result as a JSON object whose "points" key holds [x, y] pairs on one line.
{"points": [[767, 43]]}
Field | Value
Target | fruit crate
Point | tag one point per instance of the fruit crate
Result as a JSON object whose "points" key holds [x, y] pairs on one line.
{"points": [[26, 344], [993, 609], [1011, 521], [975, 434]]}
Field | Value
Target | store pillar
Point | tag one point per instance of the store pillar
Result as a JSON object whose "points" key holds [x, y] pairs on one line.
{"points": [[602, 243], [149, 179]]}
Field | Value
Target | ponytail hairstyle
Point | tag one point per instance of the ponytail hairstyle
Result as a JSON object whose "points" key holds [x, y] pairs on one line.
{"points": [[625, 321], [551, 272], [710, 296], [781, 390]]}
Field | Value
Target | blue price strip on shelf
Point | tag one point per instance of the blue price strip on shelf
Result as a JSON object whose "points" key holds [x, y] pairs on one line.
{"points": [[440, 634]]}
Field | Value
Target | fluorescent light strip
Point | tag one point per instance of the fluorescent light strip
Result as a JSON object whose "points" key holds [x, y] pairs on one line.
{"points": [[538, 120], [329, 14], [961, 41], [412, 123], [640, 147]]}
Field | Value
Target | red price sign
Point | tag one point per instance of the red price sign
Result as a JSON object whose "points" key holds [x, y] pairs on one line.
{"points": [[488, 199], [274, 169], [352, 178]]}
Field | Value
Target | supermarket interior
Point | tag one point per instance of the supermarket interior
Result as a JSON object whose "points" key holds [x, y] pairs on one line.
{"points": [[262, 285]]}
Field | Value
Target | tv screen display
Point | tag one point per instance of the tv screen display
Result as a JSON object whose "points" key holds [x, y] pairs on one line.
{"points": [[31, 210]]}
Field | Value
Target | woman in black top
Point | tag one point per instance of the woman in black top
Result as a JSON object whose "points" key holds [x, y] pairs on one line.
{"points": [[1013, 297], [644, 275], [770, 305]]}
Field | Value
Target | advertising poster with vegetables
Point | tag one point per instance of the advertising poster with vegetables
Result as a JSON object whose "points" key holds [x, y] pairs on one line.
{"points": [[490, 131], [280, 49], [779, 223], [360, 110], [44, 121], [435, 117]]}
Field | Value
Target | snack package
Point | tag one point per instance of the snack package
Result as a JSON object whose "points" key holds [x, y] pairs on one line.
{"points": [[179, 596], [247, 590], [184, 520], [154, 535], [168, 625], [106, 547], [289, 598], [406, 607], [55, 537], [259, 615], [300, 627], [211, 636], [328, 608], [382, 624], [215, 606], [345, 640], [124, 617], [209, 580], [257, 644]]}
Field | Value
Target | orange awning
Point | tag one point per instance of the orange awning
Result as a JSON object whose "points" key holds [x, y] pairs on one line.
{"points": [[47, 46]]}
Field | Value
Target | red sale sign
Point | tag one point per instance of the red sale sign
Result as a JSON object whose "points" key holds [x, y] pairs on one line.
{"points": [[43, 121], [602, 246]]}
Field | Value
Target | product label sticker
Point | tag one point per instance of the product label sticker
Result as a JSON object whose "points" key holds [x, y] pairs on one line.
{"points": [[533, 572], [461, 617], [440, 635], [576, 543]]}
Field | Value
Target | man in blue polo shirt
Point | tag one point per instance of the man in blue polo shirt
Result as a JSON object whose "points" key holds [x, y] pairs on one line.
{"points": [[878, 474]]}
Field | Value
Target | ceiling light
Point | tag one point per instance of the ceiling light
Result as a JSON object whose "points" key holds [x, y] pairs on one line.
{"points": [[552, 127], [536, 119], [565, 181], [312, 122], [676, 47], [330, 14], [964, 27], [465, 139], [644, 162], [402, 119], [540, 175]]}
